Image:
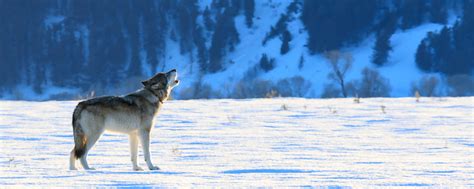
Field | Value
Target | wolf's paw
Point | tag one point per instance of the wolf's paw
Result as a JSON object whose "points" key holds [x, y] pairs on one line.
{"points": [[138, 169], [90, 169], [72, 168], [154, 168]]}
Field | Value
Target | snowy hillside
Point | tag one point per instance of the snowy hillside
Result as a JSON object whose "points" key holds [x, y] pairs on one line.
{"points": [[282, 142], [401, 69], [71, 51]]}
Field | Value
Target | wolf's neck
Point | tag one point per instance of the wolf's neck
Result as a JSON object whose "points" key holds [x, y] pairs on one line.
{"points": [[153, 97]]}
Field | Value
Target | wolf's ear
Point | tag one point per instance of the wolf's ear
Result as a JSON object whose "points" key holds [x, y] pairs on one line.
{"points": [[146, 83]]}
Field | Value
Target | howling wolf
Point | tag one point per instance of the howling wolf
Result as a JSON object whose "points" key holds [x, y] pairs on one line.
{"points": [[131, 114]]}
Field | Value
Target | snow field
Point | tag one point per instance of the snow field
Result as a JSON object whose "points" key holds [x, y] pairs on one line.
{"points": [[282, 142]]}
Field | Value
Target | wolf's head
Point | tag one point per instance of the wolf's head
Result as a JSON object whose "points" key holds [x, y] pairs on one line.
{"points": [[162, 83]]}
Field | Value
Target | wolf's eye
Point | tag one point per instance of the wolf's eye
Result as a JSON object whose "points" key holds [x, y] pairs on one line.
{"points": [[157, 86]]}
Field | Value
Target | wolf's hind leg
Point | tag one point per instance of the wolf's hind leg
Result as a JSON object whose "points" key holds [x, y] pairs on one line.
{"points": [[90, 143], [72, 160]]}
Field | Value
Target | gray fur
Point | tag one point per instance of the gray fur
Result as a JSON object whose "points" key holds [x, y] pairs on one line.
{"points": [[132, 114]]}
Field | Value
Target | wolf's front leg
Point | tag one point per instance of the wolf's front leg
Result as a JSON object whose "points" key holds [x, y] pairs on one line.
{"points": [[145, 139], [134, 151]]}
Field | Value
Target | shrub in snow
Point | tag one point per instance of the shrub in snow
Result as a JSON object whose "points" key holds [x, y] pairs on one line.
{"points": [[272, 94], [256, 88], [417, 96], [357, 100], [199, 91]]}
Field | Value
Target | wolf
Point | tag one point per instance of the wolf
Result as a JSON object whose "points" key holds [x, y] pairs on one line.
{"points": [[131, 114]]}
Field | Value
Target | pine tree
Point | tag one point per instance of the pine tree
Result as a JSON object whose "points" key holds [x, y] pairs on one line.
{"points": [[203, 55], [382, 49], [224, 39], [332, 24], [286, 38], [422, 56], [249, 8], [266, 64], [187, 14], [277, 30], [301, 62], [412, 13], [220, 4], [438, 11], [208, 22]]}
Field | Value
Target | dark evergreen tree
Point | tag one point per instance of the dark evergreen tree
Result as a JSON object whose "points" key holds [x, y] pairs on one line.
{"points": [[278, 29], [187, 12], [332, 24], [301, 62], [208, 22], [224, 39], [412, 12], [132, 21], [450, 51], [285, 46], [388, 24], [439, 11], [423, 60], [266, 64], [381, 49], [293, 7], [151, 27], [203, 54], [220, 5], [443, 50], [249, 8], [236, 5]]}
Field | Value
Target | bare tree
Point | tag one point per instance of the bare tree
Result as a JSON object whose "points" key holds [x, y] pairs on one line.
{"points": [[460, 85], [295, 86], [340, 63], [331, 91], [427, 86], [373, 84], [257, 88]]}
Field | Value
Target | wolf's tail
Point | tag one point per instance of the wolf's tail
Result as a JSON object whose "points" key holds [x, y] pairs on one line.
{"points": [[80, 139]]}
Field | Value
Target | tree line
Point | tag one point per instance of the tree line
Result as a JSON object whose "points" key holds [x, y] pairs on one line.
{"points": [[79, 42]]}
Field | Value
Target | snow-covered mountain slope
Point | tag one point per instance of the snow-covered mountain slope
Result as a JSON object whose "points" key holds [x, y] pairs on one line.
{"points": [[401, 69], [282, 142]]}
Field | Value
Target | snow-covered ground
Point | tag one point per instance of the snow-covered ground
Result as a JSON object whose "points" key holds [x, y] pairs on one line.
{"points": [[257, 142]]}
